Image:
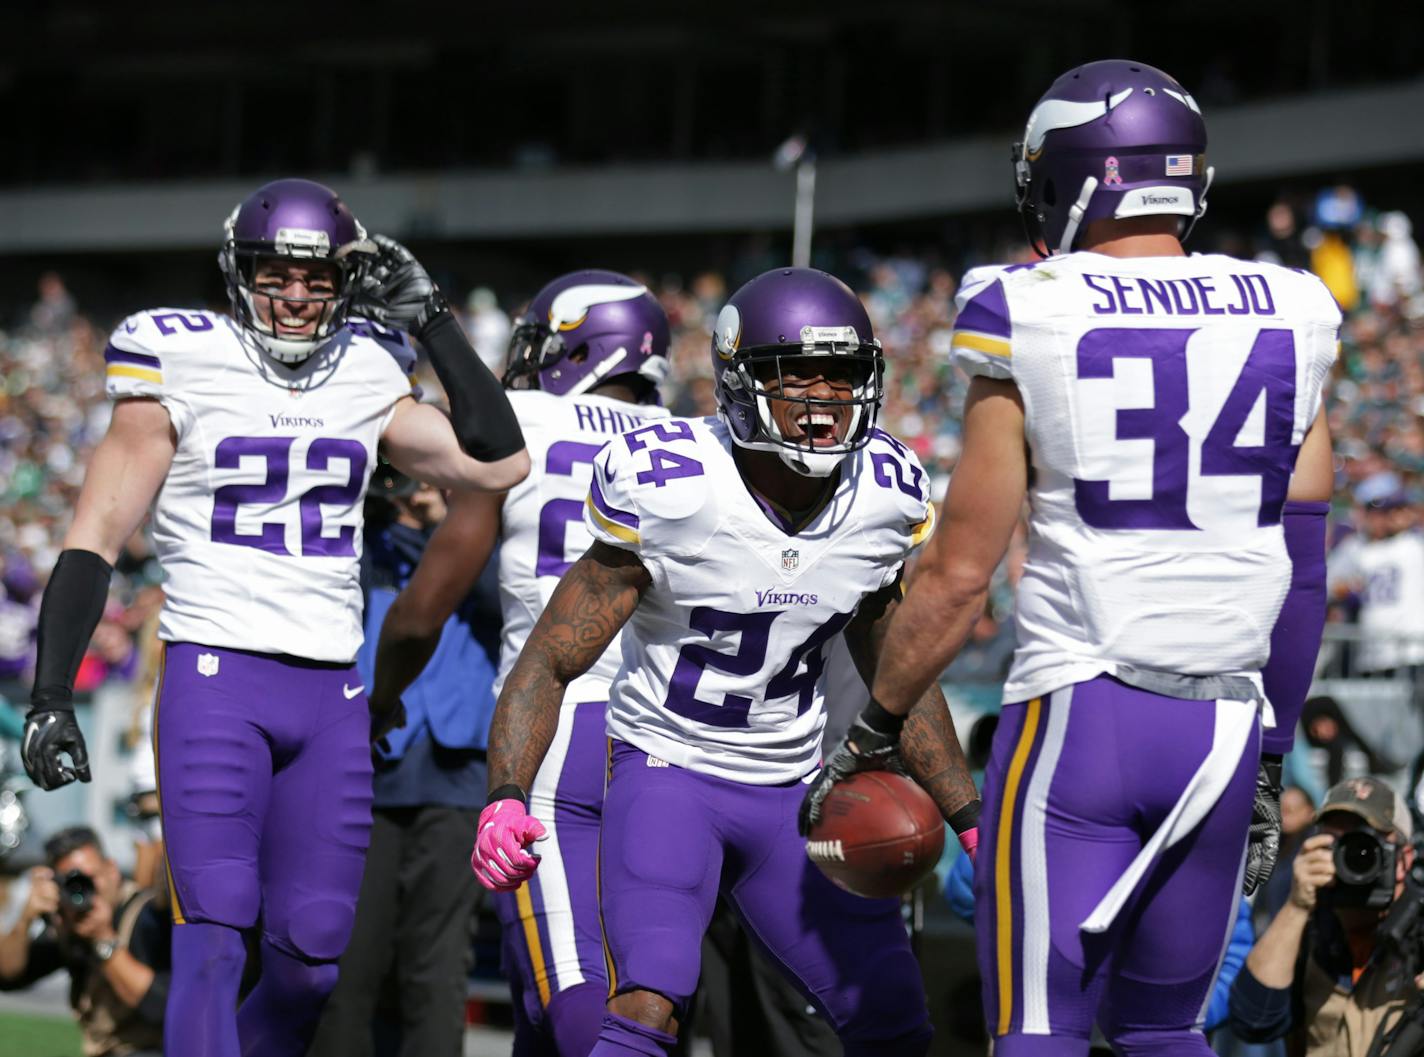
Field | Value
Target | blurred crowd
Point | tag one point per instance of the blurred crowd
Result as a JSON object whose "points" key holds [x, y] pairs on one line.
{"points": [[53, 409]]}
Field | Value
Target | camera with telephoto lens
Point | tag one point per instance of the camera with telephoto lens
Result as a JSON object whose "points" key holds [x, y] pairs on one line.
{"points": [[1364, 870], [76, 894], [1402, 932]]}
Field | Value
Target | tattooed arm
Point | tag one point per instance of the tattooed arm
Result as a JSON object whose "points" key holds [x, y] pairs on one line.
{"points": [[595, 598], [928, 743]]}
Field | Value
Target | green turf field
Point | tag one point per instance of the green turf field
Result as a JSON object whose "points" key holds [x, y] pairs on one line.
{"points": [[28, 1036]]}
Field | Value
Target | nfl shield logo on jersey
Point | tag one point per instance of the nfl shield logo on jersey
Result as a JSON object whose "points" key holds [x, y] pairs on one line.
{"points": [[207, 664], [790, 559]]}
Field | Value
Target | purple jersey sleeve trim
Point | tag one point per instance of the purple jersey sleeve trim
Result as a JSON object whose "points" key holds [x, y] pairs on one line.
{"points": [[987, 312], [611, 513], [114, 355]]}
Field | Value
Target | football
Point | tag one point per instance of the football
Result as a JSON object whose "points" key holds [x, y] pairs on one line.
{"points": [[880, 834]]}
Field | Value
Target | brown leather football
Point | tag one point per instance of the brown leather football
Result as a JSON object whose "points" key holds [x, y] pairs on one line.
{"points": [[880, 834]]}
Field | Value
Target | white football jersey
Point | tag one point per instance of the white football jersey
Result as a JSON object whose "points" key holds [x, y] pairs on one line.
{"points": [[258, 524], [1392, 604], [723, 658], [1165, 400], [541, 528]]}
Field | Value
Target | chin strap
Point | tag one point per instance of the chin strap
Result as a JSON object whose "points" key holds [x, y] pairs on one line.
{"points": [[1075, 215], [1201, 203]]}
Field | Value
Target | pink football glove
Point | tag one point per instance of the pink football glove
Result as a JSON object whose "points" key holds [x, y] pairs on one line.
{"points": [[969, 841], [500, 860]]}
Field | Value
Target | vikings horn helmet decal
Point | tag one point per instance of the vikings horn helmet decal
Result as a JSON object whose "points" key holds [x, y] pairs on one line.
{"points": [[583, 329]]}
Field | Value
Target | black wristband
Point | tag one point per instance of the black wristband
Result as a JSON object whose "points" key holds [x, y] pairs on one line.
{"points": [[1272, 763], [966, 817], [484, 423], [507, 792], [882, 722], [70, 611]]}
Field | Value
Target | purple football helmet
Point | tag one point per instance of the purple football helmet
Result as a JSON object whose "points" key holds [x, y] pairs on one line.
{"points": [[785, 314], [1110, 139], [297, 220], [586, 328]]}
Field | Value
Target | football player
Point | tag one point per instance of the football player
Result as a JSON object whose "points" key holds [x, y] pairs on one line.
{"points": [[584, 364], [1162, 414], [257, 434], [734, 548]]}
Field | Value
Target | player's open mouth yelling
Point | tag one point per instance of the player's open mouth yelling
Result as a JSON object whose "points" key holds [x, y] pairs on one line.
{"points": [[822, 427]]}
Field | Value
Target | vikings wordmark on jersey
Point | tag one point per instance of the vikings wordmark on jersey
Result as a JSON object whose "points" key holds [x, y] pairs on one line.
{"points": [[257, 522]]}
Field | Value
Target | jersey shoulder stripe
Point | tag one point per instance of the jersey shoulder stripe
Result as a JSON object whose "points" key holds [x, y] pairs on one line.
{"points": [[617, 523], [137, 365], [134, 354], [982, 341]]}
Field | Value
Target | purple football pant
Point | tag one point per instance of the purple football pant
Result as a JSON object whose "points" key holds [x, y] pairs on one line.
{"points": [[672, 838], [1078, 782], [264, 772], [553, 943]]}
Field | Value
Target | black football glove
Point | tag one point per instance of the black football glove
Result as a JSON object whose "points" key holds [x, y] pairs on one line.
{"points": [[871, 744], [397, 290], [1264, 842], [48, 733]]}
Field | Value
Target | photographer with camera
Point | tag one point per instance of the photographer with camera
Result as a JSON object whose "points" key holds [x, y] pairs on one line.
{"points": [[1337, 972], [83, 917]]}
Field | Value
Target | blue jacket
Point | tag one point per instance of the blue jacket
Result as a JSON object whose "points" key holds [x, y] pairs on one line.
{"points": [[959, 891], [453, 698]]}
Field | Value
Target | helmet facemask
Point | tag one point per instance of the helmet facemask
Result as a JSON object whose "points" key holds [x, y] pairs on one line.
{"points": [[533, 347], [241, 261], [827, 429]]}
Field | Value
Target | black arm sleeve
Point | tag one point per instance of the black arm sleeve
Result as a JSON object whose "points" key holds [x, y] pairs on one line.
{"points": [[484, 422], [1259, 1013], [73, 603]]}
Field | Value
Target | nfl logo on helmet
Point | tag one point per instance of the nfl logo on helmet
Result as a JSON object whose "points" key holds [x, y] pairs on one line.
{"points": [[790, 559]]}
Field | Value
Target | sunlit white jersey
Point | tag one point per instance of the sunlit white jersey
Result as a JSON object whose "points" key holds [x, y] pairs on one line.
{"points": [[1392, 602], [723, 658], [258, 524], [541, 528], [1165, 399]]}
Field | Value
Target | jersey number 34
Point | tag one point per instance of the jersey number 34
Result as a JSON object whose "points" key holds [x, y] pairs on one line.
{"points": [[1269, 372]]}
